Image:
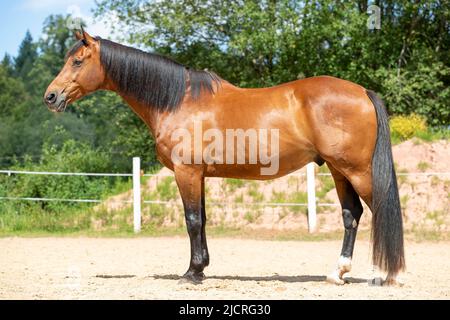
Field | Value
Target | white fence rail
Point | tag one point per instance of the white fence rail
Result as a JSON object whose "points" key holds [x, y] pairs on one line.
{"points": [[137, 201]]}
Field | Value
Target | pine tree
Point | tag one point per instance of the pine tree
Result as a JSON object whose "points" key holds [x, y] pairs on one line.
{"points": [[23, 63], [7, 64]]}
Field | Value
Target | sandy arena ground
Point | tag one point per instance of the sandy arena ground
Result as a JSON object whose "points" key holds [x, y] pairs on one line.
{"points": [[149, 268]]}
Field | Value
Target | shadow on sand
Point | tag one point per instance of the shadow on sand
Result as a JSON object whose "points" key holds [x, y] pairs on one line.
{"points": [[303, 278]]}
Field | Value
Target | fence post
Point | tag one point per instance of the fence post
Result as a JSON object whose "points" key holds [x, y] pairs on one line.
{"points": [[311, 188], [137, 194]]}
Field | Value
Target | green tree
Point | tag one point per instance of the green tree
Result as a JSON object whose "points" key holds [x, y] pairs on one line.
{"points": [[11, 92], [7, 64], [27, 55], [257, 43]]}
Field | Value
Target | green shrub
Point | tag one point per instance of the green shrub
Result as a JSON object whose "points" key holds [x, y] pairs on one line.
{"points": [[405, 127], [72, 156]]}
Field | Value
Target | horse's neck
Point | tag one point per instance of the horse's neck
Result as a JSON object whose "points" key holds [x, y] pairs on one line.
{"points": [[147, 114]]}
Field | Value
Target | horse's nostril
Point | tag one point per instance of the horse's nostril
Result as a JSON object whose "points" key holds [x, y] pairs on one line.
{"points": [[51, 97]]}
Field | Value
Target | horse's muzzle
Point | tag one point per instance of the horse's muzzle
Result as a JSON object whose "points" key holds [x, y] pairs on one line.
{"points": [[55, 101]]}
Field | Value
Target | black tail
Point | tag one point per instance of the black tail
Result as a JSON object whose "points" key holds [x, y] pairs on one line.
{"points": [[387, 225]]}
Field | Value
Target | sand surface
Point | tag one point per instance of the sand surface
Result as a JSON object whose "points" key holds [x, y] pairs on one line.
{"points": [[149, 268]]}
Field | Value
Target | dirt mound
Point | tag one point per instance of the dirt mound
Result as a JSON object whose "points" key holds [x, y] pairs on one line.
{"points": [[416, 156]]}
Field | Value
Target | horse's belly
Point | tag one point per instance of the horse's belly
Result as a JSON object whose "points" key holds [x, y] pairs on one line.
{"points": [[276, 167]]}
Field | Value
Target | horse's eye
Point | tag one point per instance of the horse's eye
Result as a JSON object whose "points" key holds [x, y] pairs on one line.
{"points": [[77, 62]]}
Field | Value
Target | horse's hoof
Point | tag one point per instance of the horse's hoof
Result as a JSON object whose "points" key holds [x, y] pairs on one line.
{"points": [[334, 279], [192, 278], [392, 283]]}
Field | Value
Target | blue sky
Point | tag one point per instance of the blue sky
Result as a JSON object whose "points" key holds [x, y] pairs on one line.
{"points": [[19, 16]]}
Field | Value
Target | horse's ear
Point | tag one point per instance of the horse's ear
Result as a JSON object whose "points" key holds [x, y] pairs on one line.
{"points": [[79, 35], [84, 37]]}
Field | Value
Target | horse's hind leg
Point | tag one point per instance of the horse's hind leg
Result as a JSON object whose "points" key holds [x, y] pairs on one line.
{"points": [[351, 213]]}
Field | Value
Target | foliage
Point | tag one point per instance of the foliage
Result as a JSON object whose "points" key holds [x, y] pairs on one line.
{"points": [[23, 63], [10, 90], [421, 91], [406, 127], [72, 156], [262, 43]]}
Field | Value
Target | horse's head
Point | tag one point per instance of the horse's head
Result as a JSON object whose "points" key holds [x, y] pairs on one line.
{"points": [[81, 74]]}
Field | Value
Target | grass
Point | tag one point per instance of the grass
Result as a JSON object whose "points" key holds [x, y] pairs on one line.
{"points": [[250, 217], [80, 219], [420, 234], [424, 136], [212, 232], [18, 218], [121, 186], [435, 181], [416, 234], [438, 217], [239, 198], [293, 182], [254, 192], [165, 190], [234, 184], [434, 134], [294, 197], [423, 166], [404, 201], [324, 169], [327, 184], [402, 179]]}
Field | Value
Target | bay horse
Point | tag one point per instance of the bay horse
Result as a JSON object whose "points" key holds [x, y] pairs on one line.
{"points": [[320, 119]]}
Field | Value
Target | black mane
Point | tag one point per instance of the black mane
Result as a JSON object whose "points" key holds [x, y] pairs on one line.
{"points": [[152, 79]]}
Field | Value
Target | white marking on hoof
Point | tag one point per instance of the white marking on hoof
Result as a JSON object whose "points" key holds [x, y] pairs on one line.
{"points": [[335, 279], [344, 265]]}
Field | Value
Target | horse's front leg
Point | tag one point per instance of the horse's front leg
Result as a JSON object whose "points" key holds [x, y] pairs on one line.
{"points": [[205, 252], [190, 183]]}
